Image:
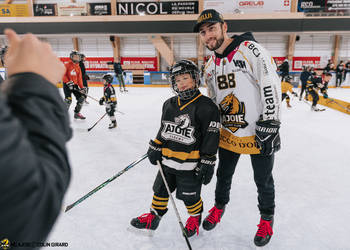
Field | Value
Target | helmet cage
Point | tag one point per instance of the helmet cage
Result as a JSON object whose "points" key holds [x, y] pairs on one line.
{"points": [[180, 68]]}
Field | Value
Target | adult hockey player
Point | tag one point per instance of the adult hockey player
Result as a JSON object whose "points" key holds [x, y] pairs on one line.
{"points": [[118, 70], [242, 80], [186, 146], [315, 83], [286, 87], [34, 129], [110, 99], [73, 83], [84, 76]]}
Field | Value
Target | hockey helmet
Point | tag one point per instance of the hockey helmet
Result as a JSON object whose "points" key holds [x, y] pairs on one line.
{"points": [[72, 54], [288, 78], [108, 78], [185, 67]]}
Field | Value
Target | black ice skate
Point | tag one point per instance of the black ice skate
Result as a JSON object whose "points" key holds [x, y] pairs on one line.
{"points": [[214, 217], [192, 225], [148, 221], [79, 116], [264, 233], [113, 124]]}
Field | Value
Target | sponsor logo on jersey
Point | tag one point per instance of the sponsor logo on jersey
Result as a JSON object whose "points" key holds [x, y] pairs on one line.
{"points": [[269, 100], [73, 73], [233, 113], [179, 131], [252, 47], [239, 64], [214, 126]]}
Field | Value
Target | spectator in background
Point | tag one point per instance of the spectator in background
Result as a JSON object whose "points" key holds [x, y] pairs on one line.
{"points": [[329, 66], [84, 76], [118, 70], [347, 69], [339, 72], [34, 129], [303, 78], [284, 69]]}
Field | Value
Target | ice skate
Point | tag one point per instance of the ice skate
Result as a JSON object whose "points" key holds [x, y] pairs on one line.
{"points": [[192, 225], [264, 233], [213, 218], [79, 116]]}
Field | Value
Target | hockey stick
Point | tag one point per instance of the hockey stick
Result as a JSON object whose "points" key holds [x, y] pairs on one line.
{"points": [[93, 98], [174, 205], [89, 129], [69, 207]]}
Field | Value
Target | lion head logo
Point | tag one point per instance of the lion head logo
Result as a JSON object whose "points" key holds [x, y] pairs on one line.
{"points": [[183, 121], [5, 244], [233, 113]]}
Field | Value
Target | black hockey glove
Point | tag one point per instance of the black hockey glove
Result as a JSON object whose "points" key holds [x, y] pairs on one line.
{"points": [[267, 136], [205, 169], [83, 91], [154, 152], [101, 101], [70, 85]]}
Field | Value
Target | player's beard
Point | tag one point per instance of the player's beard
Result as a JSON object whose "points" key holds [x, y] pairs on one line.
{"points": [[219, 42]]}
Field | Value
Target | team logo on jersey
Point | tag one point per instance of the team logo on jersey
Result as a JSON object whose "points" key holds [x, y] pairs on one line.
{"points": [[233, 113], [179, 131]]}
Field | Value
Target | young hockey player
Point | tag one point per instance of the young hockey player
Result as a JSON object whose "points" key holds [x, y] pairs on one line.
{"points": [[73, 83], [110, 99], [315, 83], [285, 87], [242, 80], [186, 146]]}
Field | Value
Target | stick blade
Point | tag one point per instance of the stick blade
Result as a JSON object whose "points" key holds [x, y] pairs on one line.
{"points": [[69, 207]]}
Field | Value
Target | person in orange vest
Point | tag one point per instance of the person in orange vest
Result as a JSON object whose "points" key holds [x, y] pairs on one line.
{"points": [[73, 83]]}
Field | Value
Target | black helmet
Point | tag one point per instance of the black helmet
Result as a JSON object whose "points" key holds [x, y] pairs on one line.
{"points": [[288, 78], [184, 67], [73, 53], [108, 78]]}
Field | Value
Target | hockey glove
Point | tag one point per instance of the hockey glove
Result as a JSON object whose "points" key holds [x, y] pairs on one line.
{"points": [[101, 101], [70, 85], [83, 91], [267, 136], [154, 152], [205, 169], [325, 95]]}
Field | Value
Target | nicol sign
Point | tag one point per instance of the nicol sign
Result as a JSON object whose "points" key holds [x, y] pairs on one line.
{"points": [[157, 8]]}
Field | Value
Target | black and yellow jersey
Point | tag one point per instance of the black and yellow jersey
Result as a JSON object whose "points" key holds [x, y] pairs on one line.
{"points": [[109, 94], [188, 131], [316, 82]]}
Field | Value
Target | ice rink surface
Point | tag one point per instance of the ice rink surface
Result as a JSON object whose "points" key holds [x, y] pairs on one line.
{"points": [[312, 179]]}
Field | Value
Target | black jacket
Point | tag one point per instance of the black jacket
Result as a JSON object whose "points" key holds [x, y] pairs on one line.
{"points": [[189, 130], [118, 70], [34, 168]]}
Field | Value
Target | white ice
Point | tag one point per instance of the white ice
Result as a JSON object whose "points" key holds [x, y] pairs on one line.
{"points": [[312, 179]]}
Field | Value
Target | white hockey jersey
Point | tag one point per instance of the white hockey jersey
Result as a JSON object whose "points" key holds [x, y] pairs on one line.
{"points": [[244, 84]]}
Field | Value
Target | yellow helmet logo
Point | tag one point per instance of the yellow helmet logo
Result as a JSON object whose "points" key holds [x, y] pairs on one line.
{"points": [[5, 244], [233, 113]]}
